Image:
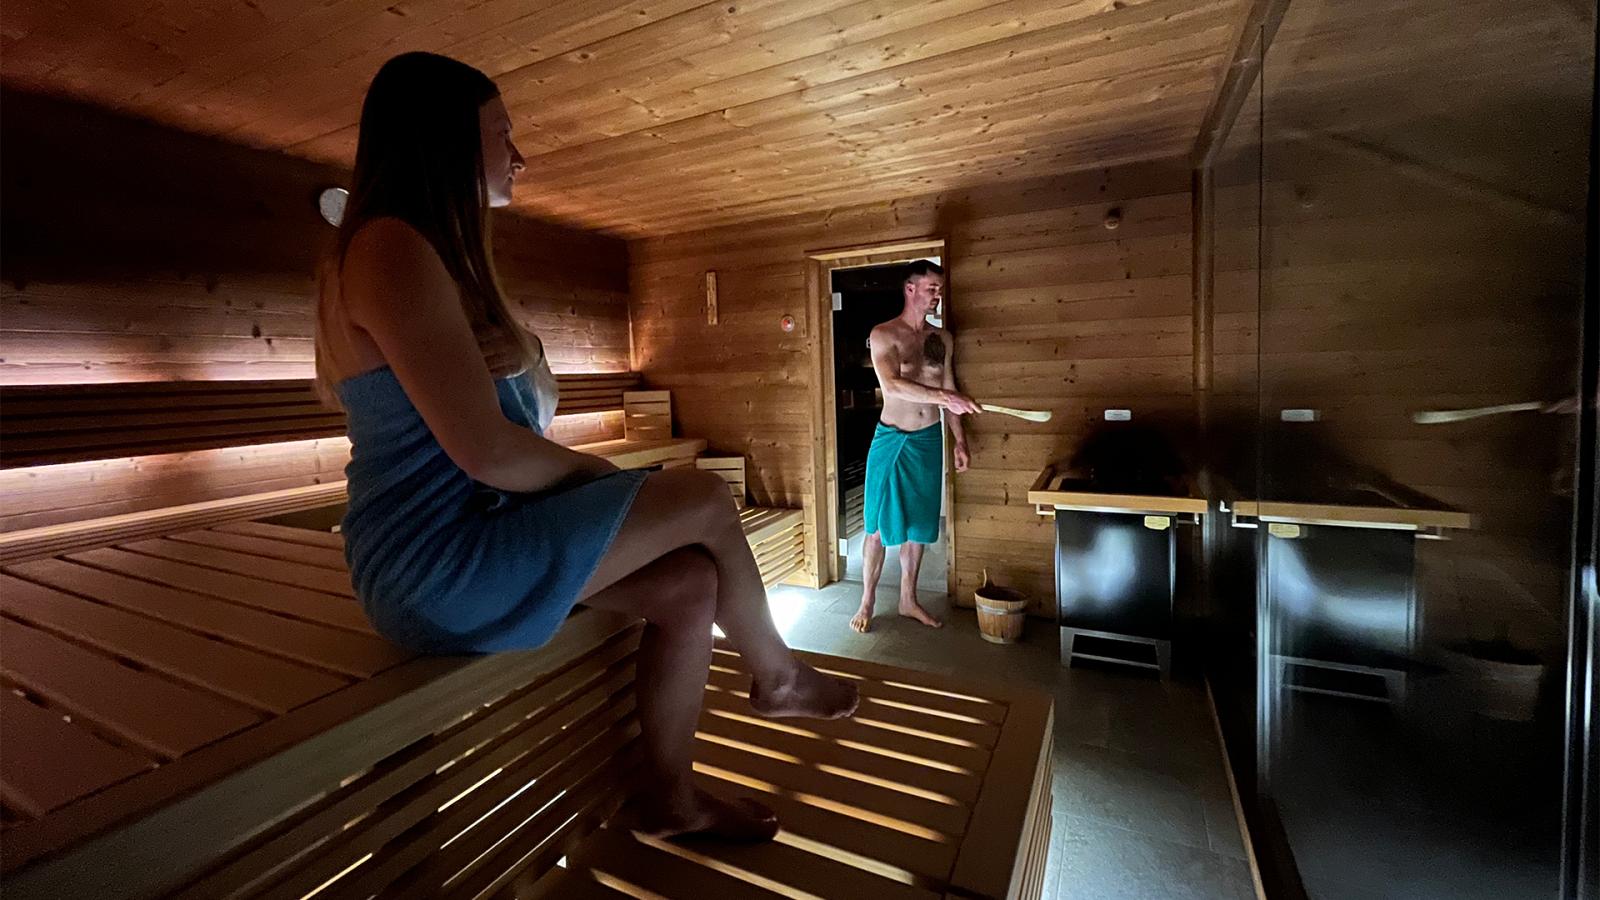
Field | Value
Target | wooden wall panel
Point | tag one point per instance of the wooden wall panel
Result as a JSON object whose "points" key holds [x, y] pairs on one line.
{"points": [[1050, 310], [133, 252]]}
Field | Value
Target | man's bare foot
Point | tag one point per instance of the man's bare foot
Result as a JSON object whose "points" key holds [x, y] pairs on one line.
{"points": [[862, 622], [911, 609], [805, 692], [699, 813]]}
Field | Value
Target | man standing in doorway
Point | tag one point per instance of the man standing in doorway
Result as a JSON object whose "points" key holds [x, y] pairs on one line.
{"points": [[905, 465]]}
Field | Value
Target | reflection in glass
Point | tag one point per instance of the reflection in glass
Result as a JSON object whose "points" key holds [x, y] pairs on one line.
{"points": [[1399, 228]]}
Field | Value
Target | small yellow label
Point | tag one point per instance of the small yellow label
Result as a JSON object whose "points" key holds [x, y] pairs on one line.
{"points": [[1283, 529], [1158, 523]]}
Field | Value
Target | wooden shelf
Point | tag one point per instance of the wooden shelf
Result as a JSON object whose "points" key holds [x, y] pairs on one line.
{"points": [[1048, 491]]}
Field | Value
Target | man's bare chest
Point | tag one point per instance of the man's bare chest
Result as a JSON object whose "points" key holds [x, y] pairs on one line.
{"points": [[922, 356]]}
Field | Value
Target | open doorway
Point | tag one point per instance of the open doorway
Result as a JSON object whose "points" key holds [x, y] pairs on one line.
{"points": [[846, 401], [864, 297]]}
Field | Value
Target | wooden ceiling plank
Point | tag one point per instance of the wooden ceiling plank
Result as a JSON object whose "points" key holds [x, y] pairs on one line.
{"points": [[860, 37], [701, 134], [942, 143], [665, 116], [1168, 140], [335, 107], [982, 107]]}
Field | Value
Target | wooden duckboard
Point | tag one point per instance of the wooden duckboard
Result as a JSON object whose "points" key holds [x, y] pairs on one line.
{"points": [[937, 788]]}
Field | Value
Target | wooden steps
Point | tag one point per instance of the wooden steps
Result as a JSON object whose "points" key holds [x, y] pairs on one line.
{"points": [[49, 540], [777, 538], [59, 423]]}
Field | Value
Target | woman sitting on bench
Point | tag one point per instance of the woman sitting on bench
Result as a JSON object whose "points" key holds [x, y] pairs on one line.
{"points": [[467, 530]]}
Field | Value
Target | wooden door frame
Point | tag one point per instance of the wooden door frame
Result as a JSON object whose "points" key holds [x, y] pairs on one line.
{"points": [[822, 513]]}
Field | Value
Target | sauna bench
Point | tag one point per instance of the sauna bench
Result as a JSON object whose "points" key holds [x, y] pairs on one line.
{"points": [[637, 453], [49, 540], [207, 714], [60, 423]]}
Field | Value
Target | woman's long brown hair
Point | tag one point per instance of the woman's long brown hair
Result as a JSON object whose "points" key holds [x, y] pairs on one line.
{"points": [[419, 158]]}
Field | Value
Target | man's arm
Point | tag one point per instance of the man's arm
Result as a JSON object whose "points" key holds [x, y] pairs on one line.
{"points": [[886, 363], [958, 431]]}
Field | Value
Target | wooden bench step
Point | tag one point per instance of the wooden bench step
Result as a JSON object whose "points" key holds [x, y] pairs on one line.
{"points": [[59, 423], [645, 453], [777, 538], [51, 540], [432, 745]]}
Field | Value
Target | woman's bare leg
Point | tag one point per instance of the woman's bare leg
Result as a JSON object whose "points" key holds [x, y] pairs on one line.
{"points": [[676, 595], [680, 508]]}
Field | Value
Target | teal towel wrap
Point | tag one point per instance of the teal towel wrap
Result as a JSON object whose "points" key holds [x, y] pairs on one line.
{"points": [[904, 485], [445, 564]]}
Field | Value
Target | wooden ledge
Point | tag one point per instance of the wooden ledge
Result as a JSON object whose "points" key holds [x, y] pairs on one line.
{"points": [[1048, 495], [642, 454], [1390, 517]]}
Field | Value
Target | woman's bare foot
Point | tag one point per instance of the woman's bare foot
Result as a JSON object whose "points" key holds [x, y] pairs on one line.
{"points": [[911, 609], [804, 692], [862, 622], [698, 812]]}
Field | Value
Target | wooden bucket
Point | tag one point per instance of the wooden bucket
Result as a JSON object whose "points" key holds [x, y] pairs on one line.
{"points": [[1000, 612]]}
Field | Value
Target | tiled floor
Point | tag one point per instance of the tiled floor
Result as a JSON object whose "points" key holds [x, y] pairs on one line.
{"points": [[1142, 808]]}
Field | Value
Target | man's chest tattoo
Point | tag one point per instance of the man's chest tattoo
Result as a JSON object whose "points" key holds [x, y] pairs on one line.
{"points": [[933, 349]]}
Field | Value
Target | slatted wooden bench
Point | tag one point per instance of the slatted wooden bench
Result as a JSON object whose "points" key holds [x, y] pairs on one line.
{"points": [[776, 536], [636, 453], [60, 423], [205, 714], [51, 539]]}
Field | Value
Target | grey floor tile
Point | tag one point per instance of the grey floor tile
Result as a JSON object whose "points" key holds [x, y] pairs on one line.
{"points": [[1103, 862], [1124, 790]]}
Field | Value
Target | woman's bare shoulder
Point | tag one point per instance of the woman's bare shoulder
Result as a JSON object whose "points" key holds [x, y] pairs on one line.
{"points": [[387, 241], [386, 256]]}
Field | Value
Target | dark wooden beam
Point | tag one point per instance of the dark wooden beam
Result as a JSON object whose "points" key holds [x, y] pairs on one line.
{"points": [[1260, 24]]}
